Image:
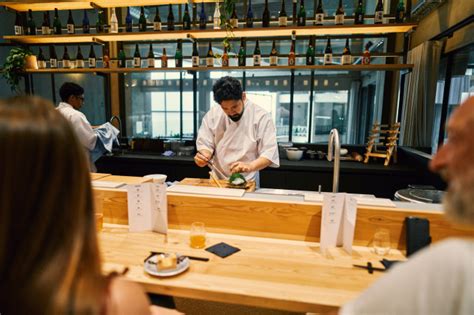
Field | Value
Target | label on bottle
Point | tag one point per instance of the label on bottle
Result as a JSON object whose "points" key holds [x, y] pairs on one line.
{"points": [[157, 26], [319, 18], [273, 60], [283, 21], [18, 30], [114, 27], [234, 23], [217, 23], [137, 62], [70, 28], [346, 59], [378, 18], [225, 62], [41, 64], [366, 58], [79, 63], [291, 59], [195, 61], [310, 60], [257, 59], [92, 63], [86, 28], [327, 59], [339, 19], [150, 62], [45, 30], [53, 63], [164, 63], [66, 64], [210, 61]]}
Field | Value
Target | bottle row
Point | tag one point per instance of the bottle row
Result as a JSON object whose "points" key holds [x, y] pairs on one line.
{"points": [[209, 59], [200, 21]]}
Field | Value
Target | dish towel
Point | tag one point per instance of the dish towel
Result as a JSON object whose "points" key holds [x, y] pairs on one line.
{"points": [[106, 137]]}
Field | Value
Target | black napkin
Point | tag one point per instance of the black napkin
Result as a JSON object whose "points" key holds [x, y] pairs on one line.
{"points": [[223, 250]]}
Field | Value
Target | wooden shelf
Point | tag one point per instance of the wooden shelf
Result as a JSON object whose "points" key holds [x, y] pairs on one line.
{"points": [[326, 30], [373, 67]]}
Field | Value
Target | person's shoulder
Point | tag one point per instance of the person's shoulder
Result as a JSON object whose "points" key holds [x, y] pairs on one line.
{"points": [[126, 297], [258, 111]]}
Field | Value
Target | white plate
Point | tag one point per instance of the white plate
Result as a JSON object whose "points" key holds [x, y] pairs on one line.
{"points": [[150, 267]]}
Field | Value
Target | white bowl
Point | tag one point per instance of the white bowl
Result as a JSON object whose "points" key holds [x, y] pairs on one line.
{"points": [[294, 155], [157, 178]]}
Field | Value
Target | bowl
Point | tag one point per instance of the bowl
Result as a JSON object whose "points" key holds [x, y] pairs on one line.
{"points": [[157, 178], [294, 155]]}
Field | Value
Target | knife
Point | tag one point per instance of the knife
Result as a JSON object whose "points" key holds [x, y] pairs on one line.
{"points": [[190, 257]]}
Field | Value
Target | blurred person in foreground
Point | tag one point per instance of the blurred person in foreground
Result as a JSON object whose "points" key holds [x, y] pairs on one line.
{"points": [[439, 279], [49, 256]]}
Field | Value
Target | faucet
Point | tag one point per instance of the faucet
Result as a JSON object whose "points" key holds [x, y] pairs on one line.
{"points": [[334, 147], [119, 123]]}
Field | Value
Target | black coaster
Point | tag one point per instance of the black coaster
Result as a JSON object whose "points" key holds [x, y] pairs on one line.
{"points": [[223, 250]]}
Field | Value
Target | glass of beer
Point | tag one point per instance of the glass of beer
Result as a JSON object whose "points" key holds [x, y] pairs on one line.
{"points": [[197, 235]]}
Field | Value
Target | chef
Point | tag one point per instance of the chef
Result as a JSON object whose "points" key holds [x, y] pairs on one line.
{"points": [[238, 136]]}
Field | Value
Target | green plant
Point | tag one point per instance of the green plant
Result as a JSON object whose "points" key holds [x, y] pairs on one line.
{"points": [[14, 66], [228, 6]]}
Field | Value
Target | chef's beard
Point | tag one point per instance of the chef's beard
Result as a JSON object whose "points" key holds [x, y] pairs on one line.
{"points": [[459, 200], [236, 117]]}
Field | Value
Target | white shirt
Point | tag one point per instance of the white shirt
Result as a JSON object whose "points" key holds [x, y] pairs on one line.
{"points": [[435, 281], [80, 124], [246, 140]]}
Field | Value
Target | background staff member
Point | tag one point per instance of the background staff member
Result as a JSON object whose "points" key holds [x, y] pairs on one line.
{"points": [[239, 136]]}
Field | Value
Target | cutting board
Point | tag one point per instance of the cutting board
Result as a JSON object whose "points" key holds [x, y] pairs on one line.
{"points": [[203, 190], [206, 182]]}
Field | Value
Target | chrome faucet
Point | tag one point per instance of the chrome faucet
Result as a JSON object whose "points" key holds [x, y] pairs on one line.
{"points": [[334, 147], [119, 123]]}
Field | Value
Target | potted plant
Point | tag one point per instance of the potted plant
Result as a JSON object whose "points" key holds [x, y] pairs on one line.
{"points": [[16, 62]]}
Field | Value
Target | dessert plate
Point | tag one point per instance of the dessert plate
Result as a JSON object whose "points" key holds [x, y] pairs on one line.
{"points": [[181, 266]]}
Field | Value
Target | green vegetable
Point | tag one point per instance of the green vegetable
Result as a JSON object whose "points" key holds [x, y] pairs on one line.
{"points": [[237, 179]]}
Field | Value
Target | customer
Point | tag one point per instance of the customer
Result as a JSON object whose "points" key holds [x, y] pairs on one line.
{"points": [[438, 280], [49, 257]]}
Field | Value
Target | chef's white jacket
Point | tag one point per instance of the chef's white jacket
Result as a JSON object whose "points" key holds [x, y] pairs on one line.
{"points": [[80, 124], [251, 137]]}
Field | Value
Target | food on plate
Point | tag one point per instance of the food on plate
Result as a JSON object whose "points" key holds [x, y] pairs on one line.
{"points": [[166, 262], [237, 180]]}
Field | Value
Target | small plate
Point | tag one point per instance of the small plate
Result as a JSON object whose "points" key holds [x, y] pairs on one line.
{"points": [[150, 267]]}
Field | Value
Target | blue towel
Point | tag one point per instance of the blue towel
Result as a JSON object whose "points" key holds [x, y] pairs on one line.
{"points": [[106, 137]]}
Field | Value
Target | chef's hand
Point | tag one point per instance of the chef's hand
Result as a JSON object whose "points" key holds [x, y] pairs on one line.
{"points": [[240, 167], [202, 157]]}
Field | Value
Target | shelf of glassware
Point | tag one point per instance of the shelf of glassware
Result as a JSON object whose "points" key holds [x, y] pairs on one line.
{"points": [[326, 30]]}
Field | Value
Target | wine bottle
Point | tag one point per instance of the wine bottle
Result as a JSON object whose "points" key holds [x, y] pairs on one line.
{"points": [[92, 60], [366, 55], [217, 17], [99, 26], [291, 55], [234, 20], [400, 12], [249, 17], [53, 58], [359, 13], [70, 24], [339, 16], [157, 20], [122, 59], [282, 17], [18, 27], [106, 58], [274, 55], [242, 53], [150, 59], [86, 26], [170, 20], [266, 16], [164, 59], [195, 21], [210, 56], [41, 60], [79, 58], [178, 56], [328, 53], [319, 14], [142, 20], [257, 55], [295, 13], [46, 26], [310, 52], [301, 15], [137, 59], [225, 58], [114, 27], [128, 21], [186, 18], [195, 56], [202, 17], [66, 59], [57, 23], [378, 16], [346, 54], [31, 26]]}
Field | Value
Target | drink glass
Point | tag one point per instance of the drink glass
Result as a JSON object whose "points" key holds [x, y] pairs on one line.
{"points": [[381, 241], [197, 235]]}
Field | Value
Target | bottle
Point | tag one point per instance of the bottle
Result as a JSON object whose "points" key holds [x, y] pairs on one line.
{"points": [[359, 13], [70, 24], [301, 15], [79, 58], [106, 58], [366, 55], [346, 54], [137, 59], [266, 16], [291, 55], [249, 17], [92, 60], [242, 53], [18, 25], [31, 26], [170, 20], [234, 20], [46, 26], [66, 59], [400, 12], [86, 26], [57, 23], [53, 58], [282, 17], [41, 60], [217, 17], [202, 17], [210, 56], [339, 16], [274, 55], [257, 55], [142, 20], [178, 56], [225, 58], [186, 18], [113, 22], [164, 59], [150, 59], [100, 21], [310, 52], [378, 16], [157, 20], [295, 13], [128, 21], [319, 14], [195, 56], [122, 59], [328, 53]]}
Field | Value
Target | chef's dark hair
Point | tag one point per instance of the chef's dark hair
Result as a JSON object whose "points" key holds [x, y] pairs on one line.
{"points": [[68, 89], [227, 88]]}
